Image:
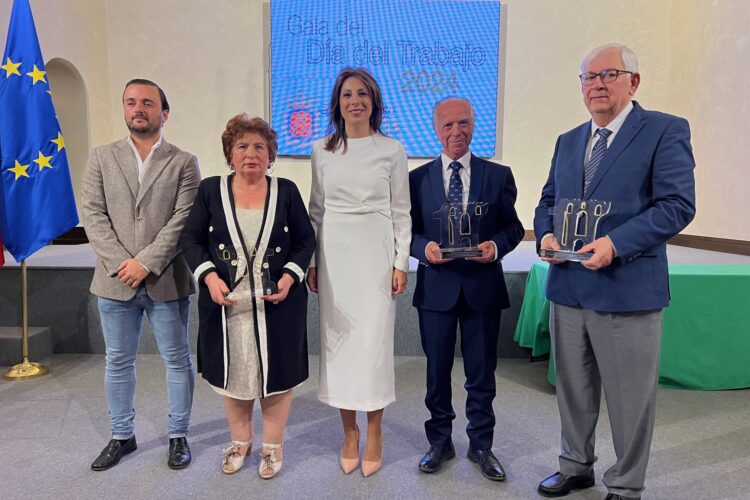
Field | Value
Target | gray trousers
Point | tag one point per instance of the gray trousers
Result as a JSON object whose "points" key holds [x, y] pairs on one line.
{"points": [[620, 352]]}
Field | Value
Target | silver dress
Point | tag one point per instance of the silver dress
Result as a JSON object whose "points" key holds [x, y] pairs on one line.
{"points": [[243, 373]]}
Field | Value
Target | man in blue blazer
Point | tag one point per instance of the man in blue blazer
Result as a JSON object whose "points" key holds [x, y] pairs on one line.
{"points": [[605, 317], [470, 292]]}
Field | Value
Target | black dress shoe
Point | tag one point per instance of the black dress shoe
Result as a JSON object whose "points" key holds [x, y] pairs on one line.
{"points": [[435, 457], [113, 452], [612, 496], [488, 464], [179, 453], [558, 485]]}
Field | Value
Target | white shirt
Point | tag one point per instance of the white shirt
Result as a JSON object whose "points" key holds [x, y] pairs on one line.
{"points": [[142, 164], [464, 174], [614, 126]]}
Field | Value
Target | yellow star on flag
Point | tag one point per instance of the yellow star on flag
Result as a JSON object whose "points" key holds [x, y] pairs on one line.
{"points": [[11, 68], [19, 170], [43, 161], [59, 141], [37, 75]]}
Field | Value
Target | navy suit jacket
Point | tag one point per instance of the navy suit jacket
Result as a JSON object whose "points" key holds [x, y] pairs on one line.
{"points": [[647, 174], [439, 286]]}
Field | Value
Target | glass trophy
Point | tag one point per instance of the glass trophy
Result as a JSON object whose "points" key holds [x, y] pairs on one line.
{"points": [[459, 229], [263, 284], [575, 224]]}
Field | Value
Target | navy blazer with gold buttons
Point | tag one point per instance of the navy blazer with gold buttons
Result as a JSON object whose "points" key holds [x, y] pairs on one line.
{"points": [[212, 241]]}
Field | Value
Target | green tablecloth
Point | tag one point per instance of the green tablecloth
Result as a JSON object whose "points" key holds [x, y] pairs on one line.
{"points": [[706, 329]]}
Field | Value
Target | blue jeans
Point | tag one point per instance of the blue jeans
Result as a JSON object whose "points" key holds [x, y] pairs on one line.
{"points": [[121, 325]]}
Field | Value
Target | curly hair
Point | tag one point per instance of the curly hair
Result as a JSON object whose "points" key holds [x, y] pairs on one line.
{"points": [[241, 124]]}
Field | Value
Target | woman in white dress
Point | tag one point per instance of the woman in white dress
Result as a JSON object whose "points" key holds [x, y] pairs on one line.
{"points": [[359, 206]]}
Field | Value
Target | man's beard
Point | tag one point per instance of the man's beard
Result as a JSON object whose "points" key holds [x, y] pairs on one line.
{"points": [[144, 130]]}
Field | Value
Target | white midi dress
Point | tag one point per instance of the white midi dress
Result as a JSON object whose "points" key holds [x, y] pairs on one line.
{"points": [[359, 207]]}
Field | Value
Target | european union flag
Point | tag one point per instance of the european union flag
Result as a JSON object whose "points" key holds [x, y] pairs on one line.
{"points": [[39, 204]]}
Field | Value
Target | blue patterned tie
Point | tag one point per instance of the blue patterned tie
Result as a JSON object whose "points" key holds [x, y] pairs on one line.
{"points": [[456, 195], [597, 153], [455, 186]]}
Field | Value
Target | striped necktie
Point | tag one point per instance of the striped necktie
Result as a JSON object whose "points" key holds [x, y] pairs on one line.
{"points": [[596, 158]]}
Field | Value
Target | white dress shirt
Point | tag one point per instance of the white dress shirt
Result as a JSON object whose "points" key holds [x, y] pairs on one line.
{"points": [[142, 164], [614, 126]]}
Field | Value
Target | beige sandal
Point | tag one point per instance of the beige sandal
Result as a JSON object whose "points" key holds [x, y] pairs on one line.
{"points": [[270, 464], [233, 459]]}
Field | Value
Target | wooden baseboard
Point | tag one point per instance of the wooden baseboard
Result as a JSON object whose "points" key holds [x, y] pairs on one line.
{"points": [[738, 247]]}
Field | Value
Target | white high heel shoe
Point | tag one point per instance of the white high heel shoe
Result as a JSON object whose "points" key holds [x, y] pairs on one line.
{"points": [[233, 459], [270, 464]]}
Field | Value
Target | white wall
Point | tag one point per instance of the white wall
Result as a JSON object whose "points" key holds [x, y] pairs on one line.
{"points": [[709, 80], [208, 56], [545, 42]]}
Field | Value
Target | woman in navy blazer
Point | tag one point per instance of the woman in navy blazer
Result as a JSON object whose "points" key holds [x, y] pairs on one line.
{"points": [[248, 241]]}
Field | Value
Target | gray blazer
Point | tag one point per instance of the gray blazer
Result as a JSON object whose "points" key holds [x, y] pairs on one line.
{"points": [[125, 219]]}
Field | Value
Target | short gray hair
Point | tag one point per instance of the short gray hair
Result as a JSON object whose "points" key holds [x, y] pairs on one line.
{"points": [[450, 98], [629, 59]]}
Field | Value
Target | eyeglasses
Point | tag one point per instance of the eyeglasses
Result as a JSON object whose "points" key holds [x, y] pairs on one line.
{"points": [[607, 76]]}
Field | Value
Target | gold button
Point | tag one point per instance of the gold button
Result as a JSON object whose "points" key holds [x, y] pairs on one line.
{"points": [[278, 249], [265, 265], [210, 229], [234, 262], [221, 246], [286, 229]]}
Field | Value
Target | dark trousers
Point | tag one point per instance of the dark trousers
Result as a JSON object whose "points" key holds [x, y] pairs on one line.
{"points": [[479, 333]]}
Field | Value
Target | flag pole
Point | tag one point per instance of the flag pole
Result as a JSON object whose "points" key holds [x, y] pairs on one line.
{"points": [[26, 369]]}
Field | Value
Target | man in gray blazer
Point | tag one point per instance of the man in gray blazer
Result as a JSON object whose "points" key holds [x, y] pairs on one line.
{"points": [[137, 193]]}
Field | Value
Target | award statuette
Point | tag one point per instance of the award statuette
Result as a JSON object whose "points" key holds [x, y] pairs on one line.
{"points": [[459, 228], [575, 224], [237, 266]]}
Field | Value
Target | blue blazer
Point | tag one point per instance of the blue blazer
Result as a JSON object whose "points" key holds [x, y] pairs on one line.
{"points": [[647, 174], [438, 287]]}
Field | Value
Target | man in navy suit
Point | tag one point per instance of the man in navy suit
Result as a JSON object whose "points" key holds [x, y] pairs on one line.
{"points": [[605, 317], [468, 292]]}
